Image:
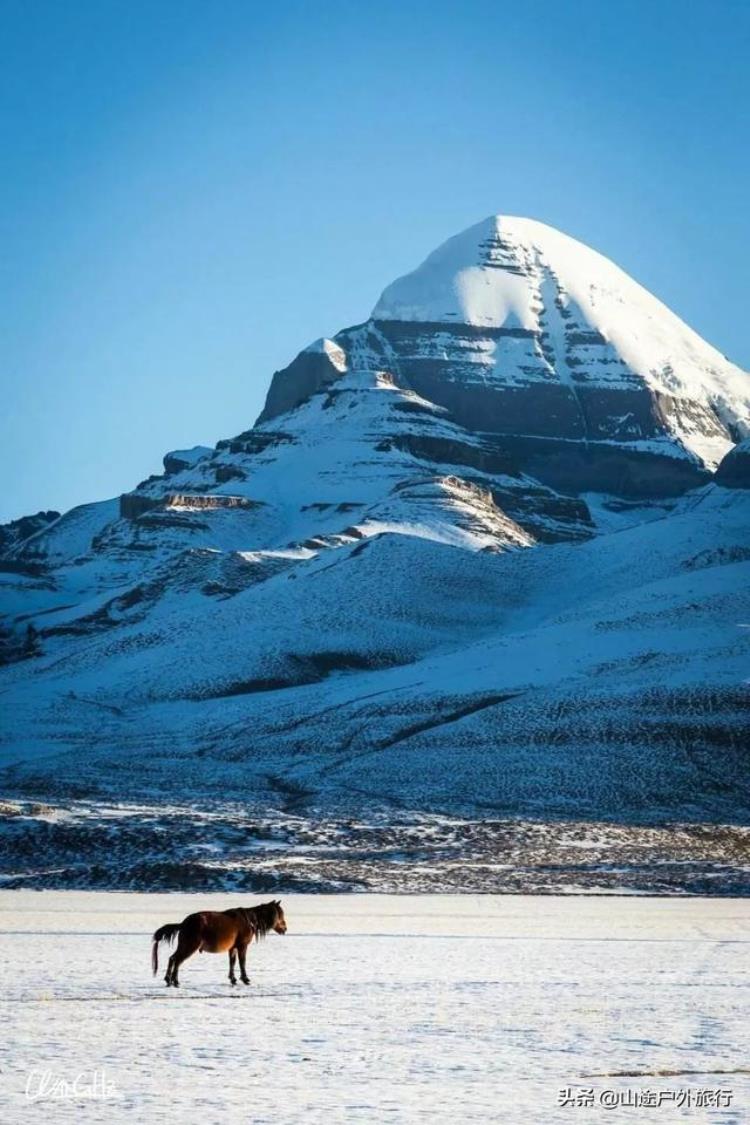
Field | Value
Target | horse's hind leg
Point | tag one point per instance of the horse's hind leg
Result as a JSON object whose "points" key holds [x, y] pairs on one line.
{"points": [[170, 970], [242, 951], [184, 950], [232, 958]]}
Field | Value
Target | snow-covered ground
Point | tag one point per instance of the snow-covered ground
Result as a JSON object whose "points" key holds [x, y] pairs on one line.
{"points": [[380, 1008]]}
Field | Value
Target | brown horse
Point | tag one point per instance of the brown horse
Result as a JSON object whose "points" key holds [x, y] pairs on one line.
{"points": [[213, 931]]}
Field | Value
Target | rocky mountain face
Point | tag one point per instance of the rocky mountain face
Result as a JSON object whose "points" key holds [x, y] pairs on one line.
{"points": [[18, 531], [734, 470], [474, 559]]}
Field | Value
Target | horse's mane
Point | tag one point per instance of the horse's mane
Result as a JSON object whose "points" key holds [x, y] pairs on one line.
{"points": [[262, 918]]}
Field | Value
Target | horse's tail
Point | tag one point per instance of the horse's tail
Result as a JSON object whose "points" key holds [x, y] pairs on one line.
{"points": [[165, 933]]}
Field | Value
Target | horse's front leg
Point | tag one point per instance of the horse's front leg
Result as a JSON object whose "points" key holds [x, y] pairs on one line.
{"points": [[242, 951], [232, 956]]}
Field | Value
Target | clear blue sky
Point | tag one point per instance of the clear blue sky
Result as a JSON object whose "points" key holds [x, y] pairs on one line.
{"points": [[193, 191]]}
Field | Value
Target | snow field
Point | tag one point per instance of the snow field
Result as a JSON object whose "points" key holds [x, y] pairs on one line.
{"points": [[377, 1008]]}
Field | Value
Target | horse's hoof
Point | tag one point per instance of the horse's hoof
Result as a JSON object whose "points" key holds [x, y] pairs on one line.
{"points": [[245, 980]]}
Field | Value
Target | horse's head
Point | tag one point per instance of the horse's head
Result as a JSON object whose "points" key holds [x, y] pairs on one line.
{"points": [[279, 925]]}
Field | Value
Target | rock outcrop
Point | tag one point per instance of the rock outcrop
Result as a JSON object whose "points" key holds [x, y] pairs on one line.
{"points": [[18, 531], [734, 470]]}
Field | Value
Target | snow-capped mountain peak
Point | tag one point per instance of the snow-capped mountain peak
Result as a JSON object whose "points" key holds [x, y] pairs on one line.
{"points": [[589, 324]]}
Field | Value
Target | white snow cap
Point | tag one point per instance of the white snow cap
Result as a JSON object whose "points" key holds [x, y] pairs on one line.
{"points": [[456, 284], [505, 271]]}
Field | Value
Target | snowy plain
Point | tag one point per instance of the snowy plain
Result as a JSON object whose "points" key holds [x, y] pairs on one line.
{"points": [[379, 1008]]}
